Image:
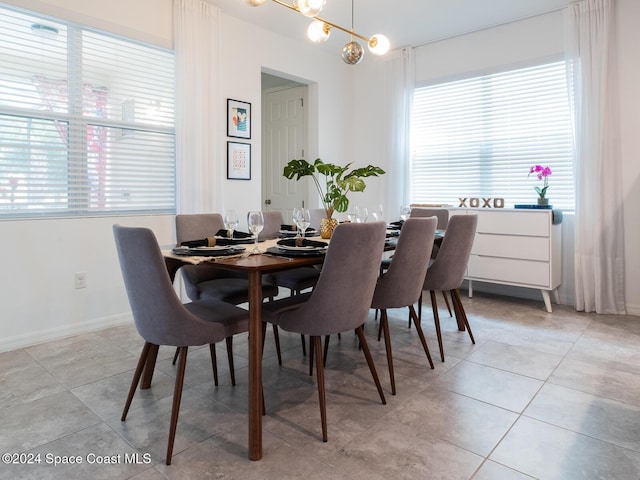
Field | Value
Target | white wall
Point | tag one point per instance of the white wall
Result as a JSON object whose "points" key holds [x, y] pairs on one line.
{"points": [[40, 257]]}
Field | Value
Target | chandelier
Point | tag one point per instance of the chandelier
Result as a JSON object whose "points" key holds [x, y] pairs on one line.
{"points": [[320, 29]]}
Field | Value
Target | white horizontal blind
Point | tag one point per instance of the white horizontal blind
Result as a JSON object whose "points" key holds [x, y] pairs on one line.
{"points": [[86, 121], [479, 137]]}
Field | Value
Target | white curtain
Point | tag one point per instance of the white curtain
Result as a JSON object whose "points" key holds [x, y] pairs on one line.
{"points": [[401, 75], [199, 117], [599, 225]]}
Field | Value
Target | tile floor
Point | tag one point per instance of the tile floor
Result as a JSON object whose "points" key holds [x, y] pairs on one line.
{"points": [[547, 396]]}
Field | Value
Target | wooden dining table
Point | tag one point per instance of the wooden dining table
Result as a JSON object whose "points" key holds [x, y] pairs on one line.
{"points": [[254, 266]]}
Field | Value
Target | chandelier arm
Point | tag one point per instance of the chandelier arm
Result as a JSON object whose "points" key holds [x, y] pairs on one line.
{"points": [[345, 30], [334, 25]]}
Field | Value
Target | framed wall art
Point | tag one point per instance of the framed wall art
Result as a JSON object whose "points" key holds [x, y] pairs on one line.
{"points": [[238, 161], [238, 119]]}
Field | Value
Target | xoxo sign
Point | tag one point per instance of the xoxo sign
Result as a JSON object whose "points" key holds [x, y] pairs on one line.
{"points": [[474, 202]]}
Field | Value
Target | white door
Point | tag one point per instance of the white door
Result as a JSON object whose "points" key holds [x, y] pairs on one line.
{"points": [[284, 138]]}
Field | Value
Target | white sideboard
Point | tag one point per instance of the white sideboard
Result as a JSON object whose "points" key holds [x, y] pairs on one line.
{"points": [[520, 247]]}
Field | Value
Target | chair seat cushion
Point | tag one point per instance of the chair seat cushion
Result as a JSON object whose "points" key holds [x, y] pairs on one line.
{"points": [[271, 311], [232, 290], [296, 279], [234, 319]]}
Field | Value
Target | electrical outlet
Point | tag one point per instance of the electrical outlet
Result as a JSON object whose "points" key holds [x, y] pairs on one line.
{"points": [[81, 280]]}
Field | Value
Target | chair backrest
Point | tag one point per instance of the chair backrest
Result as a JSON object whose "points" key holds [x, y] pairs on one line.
{"points": [[195, 226], [342, 297], [317, 214], [442, 214], [448, 269], [273, 221], [158, 313], [401, 284]]}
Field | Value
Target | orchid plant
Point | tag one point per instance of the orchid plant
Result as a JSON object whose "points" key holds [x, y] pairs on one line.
{"points": [[543, 173]]}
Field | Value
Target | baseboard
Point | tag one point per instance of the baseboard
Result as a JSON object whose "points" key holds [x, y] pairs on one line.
{"points": [[633, 309], [42, 336]]}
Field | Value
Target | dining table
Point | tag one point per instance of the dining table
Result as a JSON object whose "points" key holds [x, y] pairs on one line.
{"points": [[254, 265]]}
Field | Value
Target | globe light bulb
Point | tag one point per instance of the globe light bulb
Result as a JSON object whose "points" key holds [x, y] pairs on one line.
{"points": [[379, 44], [352, 53], [255, 3], [318, 31], [310, 8]]}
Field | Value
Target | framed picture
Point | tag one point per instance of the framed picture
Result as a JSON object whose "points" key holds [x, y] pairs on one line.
{"points": [[238, 119], [238, 161]]}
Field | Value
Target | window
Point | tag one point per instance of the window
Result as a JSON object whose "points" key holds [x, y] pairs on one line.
{"points": [[86, 121], [478, 137]]}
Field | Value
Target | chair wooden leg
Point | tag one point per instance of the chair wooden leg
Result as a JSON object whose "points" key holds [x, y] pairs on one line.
{"points": [[214, 363], [177, 397], [446, 300], [311, 355], [384, 321], [136, 378], [372, 367], [276, 337], [316, 344], [304, 345], [232, 370], [326, 349], [423, 340], [420, 306], [175, 356], [455, 296], [436, 320], [149, 367], [379, 328]]}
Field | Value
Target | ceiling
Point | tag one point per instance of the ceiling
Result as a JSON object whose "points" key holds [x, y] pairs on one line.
{"points": [[404, 22]]}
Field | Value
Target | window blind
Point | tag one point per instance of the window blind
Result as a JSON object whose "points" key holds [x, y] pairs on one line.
{"points": [[86, 121], [479, 137]]}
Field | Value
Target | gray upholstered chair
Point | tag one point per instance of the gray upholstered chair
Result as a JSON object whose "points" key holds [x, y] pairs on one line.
{"points": [[210, 283], [446, 273], [273, 221], [162, 319], [442, 214], [297, 279], [341, 299], [316, 215], [401, 285]]}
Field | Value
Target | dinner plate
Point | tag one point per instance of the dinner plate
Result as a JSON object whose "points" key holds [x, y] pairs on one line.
{"points": [[217, 251], [296, 253], [306, 243], [300, 249]]}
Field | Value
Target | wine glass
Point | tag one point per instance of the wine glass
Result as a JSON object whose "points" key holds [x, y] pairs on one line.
{"points": [[362, 214], [351, 214], [230, 222], [255, 222], [405, 211], [296, 219], [304, 220], [378, 213]]}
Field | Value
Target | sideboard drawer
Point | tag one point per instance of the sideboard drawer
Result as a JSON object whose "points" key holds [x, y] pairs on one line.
{"points": [[514, 223], [527, 248], [508, 270]]}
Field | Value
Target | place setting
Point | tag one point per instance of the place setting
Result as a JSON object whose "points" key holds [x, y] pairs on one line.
{"points": [[298, 247]]}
